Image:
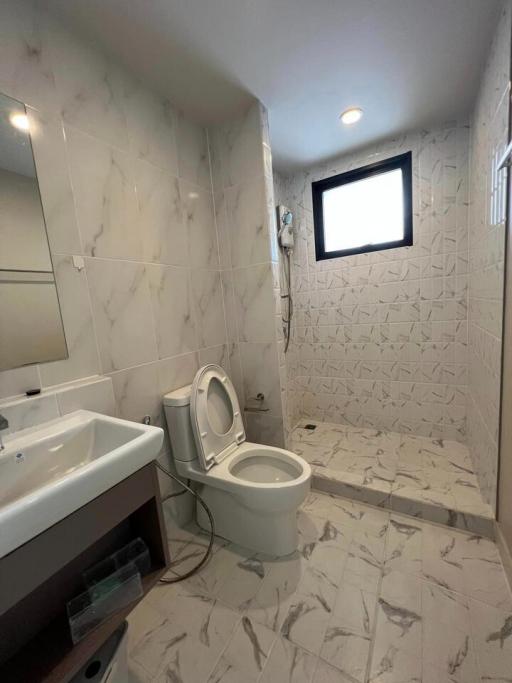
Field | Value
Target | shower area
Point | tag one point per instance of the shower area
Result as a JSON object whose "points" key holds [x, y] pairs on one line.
{"points": [[393, 366]]}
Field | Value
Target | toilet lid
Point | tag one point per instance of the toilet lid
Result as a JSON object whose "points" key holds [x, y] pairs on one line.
{"points": [[215, 414]]}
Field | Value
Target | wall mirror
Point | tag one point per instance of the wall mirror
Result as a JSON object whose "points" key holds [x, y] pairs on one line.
{"points": [[31, 329]]}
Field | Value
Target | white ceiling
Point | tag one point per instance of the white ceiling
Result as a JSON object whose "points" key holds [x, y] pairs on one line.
{"points": [[407, 63]]}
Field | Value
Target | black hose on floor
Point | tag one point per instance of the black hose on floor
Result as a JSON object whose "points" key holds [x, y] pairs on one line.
{"points": [[209, 550]]}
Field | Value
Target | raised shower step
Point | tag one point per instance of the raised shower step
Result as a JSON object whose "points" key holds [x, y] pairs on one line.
{"points": [[418, 476]]}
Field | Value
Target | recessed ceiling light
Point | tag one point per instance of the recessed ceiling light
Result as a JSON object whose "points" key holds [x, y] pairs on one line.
{"points": [[351, 115], [19, 121]]}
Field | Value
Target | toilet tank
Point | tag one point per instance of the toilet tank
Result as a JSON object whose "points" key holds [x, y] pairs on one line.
{"points": [[177, 414]]}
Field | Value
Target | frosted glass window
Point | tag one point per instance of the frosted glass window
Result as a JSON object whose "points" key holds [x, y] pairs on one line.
{"points": [[367, 209]]}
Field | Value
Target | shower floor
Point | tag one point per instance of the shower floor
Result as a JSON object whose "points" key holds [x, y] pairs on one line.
{"points": [[428, 478]]}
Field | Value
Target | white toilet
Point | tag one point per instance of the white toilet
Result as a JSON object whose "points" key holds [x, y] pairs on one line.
{"points": [[253, 491]]}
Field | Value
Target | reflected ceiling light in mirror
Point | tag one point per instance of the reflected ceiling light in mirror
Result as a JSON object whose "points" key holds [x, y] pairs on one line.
{"points": [[350, 116], [19, 121]]}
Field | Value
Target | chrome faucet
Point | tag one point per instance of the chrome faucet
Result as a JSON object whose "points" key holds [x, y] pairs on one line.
{"points": [[4, 424]]}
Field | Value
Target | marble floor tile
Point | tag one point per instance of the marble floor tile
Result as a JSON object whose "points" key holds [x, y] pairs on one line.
{"points": [[404, 545], [325, 673], [402, 590], [447, 637], [369, 597], [214, 573], [289, 663], [278, 589], [185, 556], [244, 580], [492, 633], [397, 647], [347, 650], [441, 562], [313, 453], [306, 621], [189, 639], [246, 655], [428, 478], [317, 531], [354, 609], [466, 564]]}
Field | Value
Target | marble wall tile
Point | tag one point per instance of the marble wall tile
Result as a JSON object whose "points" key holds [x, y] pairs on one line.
{"points": [[152, 127], [261, 375], [161, 222], [122, 313], [247, 219], [235, 365], [26, 71], [223, 232], [91, 88], [48, 145], [90, 395], [207, 297], [104, 189], [199, 217], [94, 393], [193, 154], [137, 393], [75, 306], [228, 293], [264, 428], [254, 303], [236, 149], [176, 372], [244, 211], [19, 381], [218, 355], [172, 305], [28, 412]]}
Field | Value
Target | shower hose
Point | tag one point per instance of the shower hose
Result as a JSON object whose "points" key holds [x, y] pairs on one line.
{"points": [[287, 320]]}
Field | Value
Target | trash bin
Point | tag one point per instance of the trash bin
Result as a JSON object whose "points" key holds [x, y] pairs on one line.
{"points": [[110, 663]]}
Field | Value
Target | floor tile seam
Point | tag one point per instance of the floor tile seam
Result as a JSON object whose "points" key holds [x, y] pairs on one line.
{"points": [[294, 645], [466, 596], [348, 676], [374, 630], [352, 630], [149, 674], [224, 648]]}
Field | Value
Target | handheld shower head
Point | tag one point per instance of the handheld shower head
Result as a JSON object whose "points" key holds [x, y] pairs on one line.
{"points": [[285, 229]]}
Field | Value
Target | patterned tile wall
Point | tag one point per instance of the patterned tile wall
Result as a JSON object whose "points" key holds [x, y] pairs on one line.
{"points": [[381, 339], [486, 257]]}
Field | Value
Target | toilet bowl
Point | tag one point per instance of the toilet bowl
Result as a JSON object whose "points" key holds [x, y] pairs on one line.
{"points": [[253, 491]]}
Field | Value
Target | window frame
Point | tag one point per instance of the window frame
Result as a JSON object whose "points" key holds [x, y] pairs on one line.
{"points": [[401, 161]]}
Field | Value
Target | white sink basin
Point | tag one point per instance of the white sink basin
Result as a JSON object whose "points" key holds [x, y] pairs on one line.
{"points": [[48, 472]]}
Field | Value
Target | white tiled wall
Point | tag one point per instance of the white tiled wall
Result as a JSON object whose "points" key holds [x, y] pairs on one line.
{"points": [[243, 193], [486, 257], [380, 339], [93, 393], [126, 184]]}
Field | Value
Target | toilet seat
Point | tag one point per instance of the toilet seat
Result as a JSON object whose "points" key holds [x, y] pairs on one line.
{"points": [[215, 414]]}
